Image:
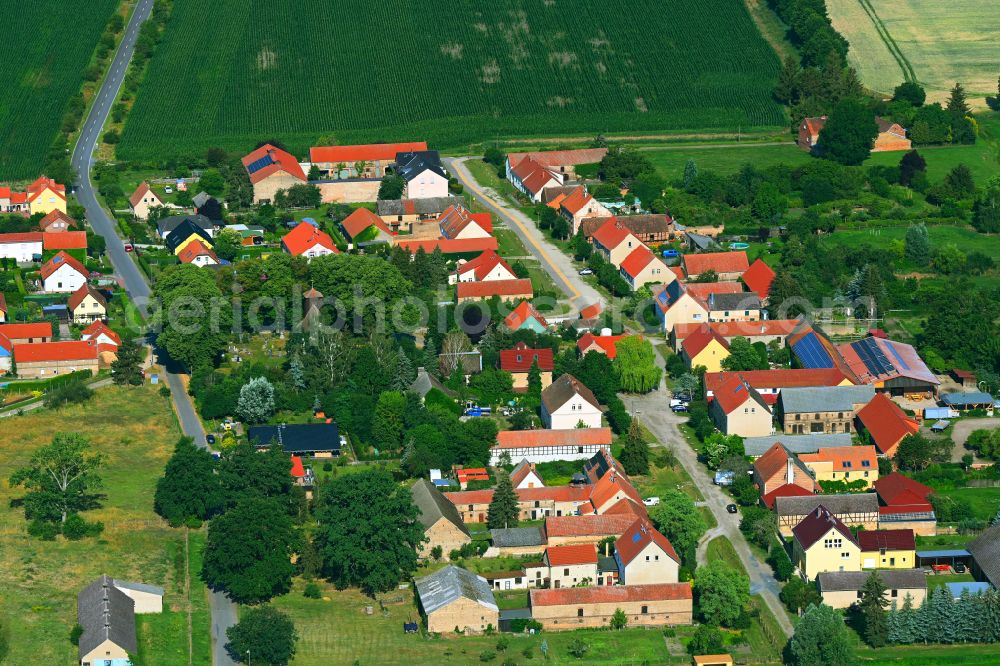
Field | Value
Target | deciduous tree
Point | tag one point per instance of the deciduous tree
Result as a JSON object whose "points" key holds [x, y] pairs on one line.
{"points": [[189, 487], [264, 635], [60, 478], [635, 365], [848, 134], [821, 639], [723, 593], [256, 402]]}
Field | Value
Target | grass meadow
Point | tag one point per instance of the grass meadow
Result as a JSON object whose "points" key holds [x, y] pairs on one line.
{"points": [[230, 74], [43, 55], [939, 42], [39, 580]]}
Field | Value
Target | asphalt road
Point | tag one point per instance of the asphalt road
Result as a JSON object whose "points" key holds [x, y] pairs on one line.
{"points": [[653, 407], [551, 258], [223, 610]]}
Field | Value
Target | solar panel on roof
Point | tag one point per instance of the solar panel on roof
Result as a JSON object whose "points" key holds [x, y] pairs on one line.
{"points": [[259, 164], [899, 358], [811, 353], [873, 357], [636, 537]]}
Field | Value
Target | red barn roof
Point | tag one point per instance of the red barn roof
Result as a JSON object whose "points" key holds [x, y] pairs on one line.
{"points": [[886, 423], [268, 160], [720, 262], [758, 278], [484, 290], [521, 357], [608, 524], [41, 329], [448, 246], [43, 352], [517, 439], [564, 556], [364, 152], [888, 539], [610, 594]]}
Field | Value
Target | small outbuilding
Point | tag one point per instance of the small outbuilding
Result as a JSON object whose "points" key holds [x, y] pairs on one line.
{"points": [[454, 598]]}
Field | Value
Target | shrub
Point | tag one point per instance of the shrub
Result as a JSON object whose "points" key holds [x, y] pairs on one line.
{"points": [[487, 655], [193, 522], [312, 591], [578, 648], [44, 530], [75, 633]]}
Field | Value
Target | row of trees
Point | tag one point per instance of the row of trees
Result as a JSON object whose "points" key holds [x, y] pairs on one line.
{"points": [[939, 619]]}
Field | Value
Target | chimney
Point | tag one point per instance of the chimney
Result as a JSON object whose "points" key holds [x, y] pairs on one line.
{"points": [[789, 470]]}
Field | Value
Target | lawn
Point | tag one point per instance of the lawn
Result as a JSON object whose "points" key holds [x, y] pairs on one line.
{"points": [[965, 238], [336, 630], [985, 501], [508, 244], [937, 43], [39, 580], [44, 56], [230, 74]]}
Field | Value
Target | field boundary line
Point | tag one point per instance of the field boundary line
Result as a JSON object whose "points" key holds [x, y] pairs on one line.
{"points": [[890, 43]]}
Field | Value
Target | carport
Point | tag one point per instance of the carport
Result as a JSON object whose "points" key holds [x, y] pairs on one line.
{"points": [[929, 558]]}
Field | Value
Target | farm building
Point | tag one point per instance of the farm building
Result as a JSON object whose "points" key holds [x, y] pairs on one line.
{"points": [[456, 598], [827, 409], [891, 136], [886, 424], [538, 446], [769, 383], [728, 266], [505, 290], [855, 509], [359, 161], [442, 523], [665, 604], [842, 589], [402, 214], [798, 444], [422, 171], [904, 504], [271, 169]]}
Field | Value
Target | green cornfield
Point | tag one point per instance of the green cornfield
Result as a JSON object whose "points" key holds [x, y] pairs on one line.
{"points": [[45, 48], [230, 73]]}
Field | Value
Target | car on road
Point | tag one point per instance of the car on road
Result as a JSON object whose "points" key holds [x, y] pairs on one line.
{"points": [[586, 271], [128, 247], [732, 508], [210, 438], [651, 501], [679, 408]]}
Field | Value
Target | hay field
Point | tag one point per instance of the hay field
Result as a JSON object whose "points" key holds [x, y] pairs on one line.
{"points": [[940, 42]]}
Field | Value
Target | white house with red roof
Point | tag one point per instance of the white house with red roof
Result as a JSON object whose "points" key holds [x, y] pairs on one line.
{"points": [[306, 240], [738, 409], [642, 267], [143, 200], [531, 177], [518, 361], [21, 247], [571, 565], [102, 334], [63, 274], [728, 266], [458, 223], [568, 403], [579, 205], [615, 242], [199, 254], [271, 169], [525, 476], [487, 266], [645, 557]]}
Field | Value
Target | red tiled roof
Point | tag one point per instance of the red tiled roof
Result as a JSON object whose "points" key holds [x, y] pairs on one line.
{"points": [[610, 485], [778, 379], [57, 262], [696, 343], [70, 350], [65, 240], [521, 314], [758, 278], [576, 200], [774, 461], [195, 249], [98, 328], [611, 234], [558, 158], [280, 161], [298, 469], [483, 264], [888, 539], [139, 193], [637, 260], [3, 302], [77, 296], [814, 125], [818, 523], [22, 237], [554, 494], [702, 290], [455, 219], [563, 556], [591, 311], [43, 183], [607, 343], [304, 236], [513, 439], [787, 490], [18, 197], [610, 594], [472, 474], [484, 290], [845, 458], [363, 152], [447, 246], [55, 215], [361, 219], [627, 507], [608, 524], [521, 472], [898, 490], [720, 262], [733, 393], [41, 329], [886, 423], [638, 537], [746, 329], [520, 358]]}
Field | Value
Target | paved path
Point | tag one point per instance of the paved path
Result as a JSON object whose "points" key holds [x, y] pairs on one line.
{"points": [[661, 422], [223, 610], [552, 259], [40, 403]]}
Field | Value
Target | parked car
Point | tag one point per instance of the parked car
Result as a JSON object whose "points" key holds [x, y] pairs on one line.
{"points": [[210, 438], [683, 396], [959, 568], [128, 247], [679, 408], [168, 189], [671, 253], [586, 271], [732, 508], [651, 501]]}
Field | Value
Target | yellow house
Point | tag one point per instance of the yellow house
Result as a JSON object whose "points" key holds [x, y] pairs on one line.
{"points": [[190, 239], [705, 347], [46, 195], [887, 549], [821, 542], [843, 463]]}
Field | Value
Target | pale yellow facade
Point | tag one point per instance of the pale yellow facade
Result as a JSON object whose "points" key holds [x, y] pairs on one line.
{"points": [[651, 566], [847, 598], [686, 310], [832, 552], [751, 419], [888, 559], [573, 575], [48, 201], [824, 471], [464, 614], [89, 310], [521, 380], [711, 357], [106, 651], [576, 616]]}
